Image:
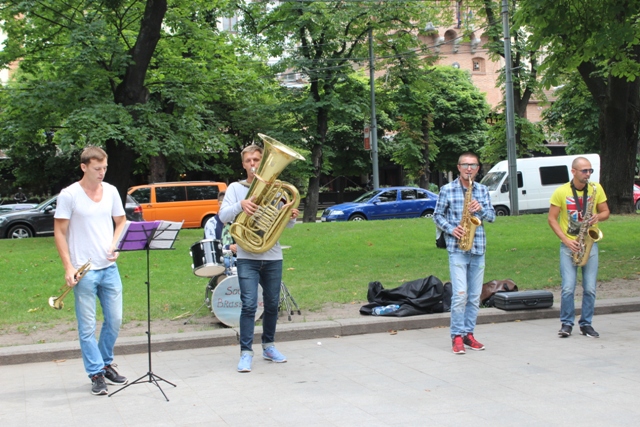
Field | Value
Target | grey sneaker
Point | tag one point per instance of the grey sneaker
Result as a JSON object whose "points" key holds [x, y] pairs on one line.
{"points": [[565, 331], [113, 377], [98, 385], [588, 331]]}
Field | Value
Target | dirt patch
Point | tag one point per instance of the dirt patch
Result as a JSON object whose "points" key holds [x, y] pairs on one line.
{"points": [[21, 334]]}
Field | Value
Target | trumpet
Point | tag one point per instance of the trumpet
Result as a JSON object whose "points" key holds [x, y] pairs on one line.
{"points": [[56, 302]]}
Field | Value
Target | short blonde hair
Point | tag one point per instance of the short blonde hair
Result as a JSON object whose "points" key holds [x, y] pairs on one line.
{"points": [[92, 152], [250, 149]]}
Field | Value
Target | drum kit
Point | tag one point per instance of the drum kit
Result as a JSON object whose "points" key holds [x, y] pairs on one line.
{"points": [[222, 293]]}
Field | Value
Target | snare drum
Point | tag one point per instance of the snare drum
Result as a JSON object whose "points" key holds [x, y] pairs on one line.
{"points": [[207, 258], [226, 304]]}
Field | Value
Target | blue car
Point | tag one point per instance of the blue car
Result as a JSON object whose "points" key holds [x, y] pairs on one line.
{"points": [[385, 203]]}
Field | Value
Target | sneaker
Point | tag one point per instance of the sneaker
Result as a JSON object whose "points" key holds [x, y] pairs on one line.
{"points": [[113, 377], [472, 343], [244, 365], [589, 331], [98, 385], [458, 345], [271, 353], [565, 331]]}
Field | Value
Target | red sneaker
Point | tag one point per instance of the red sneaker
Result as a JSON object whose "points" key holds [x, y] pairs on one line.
{"points": [[472, 343], [458, 345]]}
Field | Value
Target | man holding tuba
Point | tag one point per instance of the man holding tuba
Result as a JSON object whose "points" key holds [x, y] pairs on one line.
{"points": [[264, 268], [462, 204], [576, 208], [83, 229]]}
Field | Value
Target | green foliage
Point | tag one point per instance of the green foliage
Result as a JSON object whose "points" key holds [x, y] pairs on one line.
{"points": [[207, 92], [573, 116], [452, 107], [531, 141]]}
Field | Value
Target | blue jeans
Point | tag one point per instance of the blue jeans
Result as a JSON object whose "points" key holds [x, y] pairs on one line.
{"points": [[467, 273], [269, 275], [569, 273], [107, 286]]}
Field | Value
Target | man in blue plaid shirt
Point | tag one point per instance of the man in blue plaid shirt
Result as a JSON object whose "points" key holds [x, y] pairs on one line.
{"points": [[466, 268]]}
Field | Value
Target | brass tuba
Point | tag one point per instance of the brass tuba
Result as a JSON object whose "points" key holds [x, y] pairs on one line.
{"points": [[587, 235], [258, 233], [56, 302], [468, 222]]}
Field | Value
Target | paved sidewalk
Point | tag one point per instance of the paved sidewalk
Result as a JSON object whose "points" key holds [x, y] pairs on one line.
{"points": [[526, 377]]}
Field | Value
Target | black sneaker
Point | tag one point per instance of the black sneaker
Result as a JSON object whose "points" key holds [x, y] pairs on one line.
{"points": [[98, 386], [113, 377], [565, 331], [589, 331]]}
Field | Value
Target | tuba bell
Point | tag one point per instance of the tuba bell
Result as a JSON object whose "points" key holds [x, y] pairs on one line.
{"points": [[258, 233]]}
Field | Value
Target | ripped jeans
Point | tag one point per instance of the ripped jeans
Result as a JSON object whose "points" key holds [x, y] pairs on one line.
{"points": [[467, 274]]}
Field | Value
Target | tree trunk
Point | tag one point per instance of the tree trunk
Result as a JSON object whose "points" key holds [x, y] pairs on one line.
{"points": [[425, 176], [313, 192], [618, 100], [158, 168], [132, 91]]}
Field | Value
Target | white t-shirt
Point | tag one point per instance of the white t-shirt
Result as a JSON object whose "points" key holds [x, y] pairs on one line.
{"points": [[90, 231]]}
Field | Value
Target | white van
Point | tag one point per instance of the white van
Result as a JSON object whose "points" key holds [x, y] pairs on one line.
{"points": [[538, 177]]}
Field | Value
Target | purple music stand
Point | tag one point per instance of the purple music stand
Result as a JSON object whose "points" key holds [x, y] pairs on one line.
{"points": [[148, 235]]}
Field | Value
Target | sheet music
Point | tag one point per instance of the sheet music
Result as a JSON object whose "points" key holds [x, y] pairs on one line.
{"points": [[165, 235], [156, 234]]}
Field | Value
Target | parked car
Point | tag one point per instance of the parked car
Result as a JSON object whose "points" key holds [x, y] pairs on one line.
{"points": [[38, 221], [385, 203], [636, 196], [17, 207]]}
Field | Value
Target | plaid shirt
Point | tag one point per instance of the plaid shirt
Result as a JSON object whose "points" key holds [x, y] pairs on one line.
{"points": [[448, 214]]}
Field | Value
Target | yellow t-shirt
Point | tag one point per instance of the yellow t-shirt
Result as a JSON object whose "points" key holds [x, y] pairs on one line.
{"points": [[571, 213]]}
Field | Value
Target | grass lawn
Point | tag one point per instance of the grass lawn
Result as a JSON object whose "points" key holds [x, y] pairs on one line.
{"points": [[326, 262]]}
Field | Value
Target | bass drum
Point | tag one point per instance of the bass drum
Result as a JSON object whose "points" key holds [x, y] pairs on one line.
{"points": [[226, 304]]}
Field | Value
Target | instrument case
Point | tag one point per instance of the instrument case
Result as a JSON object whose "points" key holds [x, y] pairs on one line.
{"points": [[525, 300]]}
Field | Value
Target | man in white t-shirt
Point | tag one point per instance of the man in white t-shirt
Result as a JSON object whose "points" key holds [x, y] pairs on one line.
{"points": [[83, 230]]}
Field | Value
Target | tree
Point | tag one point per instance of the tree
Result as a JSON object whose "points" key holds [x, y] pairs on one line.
{"points": [[524, 63], [601, 40], [324, 41], [161, 90], [438, 114], [574, 116]]}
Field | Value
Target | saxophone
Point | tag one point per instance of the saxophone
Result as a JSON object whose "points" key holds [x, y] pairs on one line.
{"points": [[587, 235], [468, 222]]}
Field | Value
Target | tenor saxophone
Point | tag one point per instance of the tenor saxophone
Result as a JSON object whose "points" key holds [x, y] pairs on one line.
{"points": [[587, 235], [56, 302], [468, 222]]}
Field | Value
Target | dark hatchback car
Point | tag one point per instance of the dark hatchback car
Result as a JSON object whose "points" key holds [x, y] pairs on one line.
{"points": [[385, 203], [38, 221]]}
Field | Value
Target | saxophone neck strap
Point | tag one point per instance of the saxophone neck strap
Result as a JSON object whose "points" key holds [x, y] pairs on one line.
{"points": [[585, 197]]}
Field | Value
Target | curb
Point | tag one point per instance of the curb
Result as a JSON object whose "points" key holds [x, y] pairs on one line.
{"points": [[35, 353]]}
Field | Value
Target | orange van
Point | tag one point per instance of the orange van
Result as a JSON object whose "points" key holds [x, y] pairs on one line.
{"points": [[193, 202]]}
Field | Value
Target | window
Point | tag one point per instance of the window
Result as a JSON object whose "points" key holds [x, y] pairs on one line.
{"points": [[170, 194], [142, 195], [408, 195], [202, 192], [551, 175], [388, 196], [229, 24], [478, 65]]}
